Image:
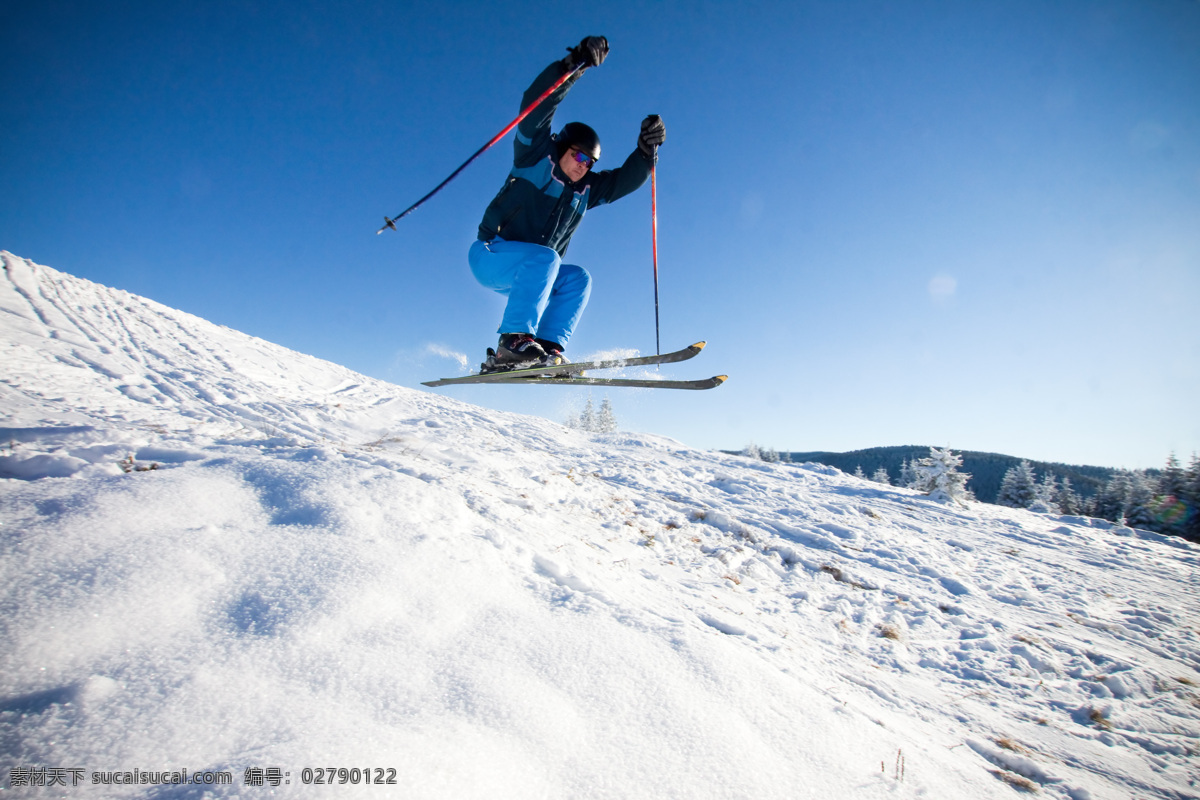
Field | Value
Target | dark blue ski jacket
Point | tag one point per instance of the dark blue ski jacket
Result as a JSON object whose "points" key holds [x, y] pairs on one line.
{"points": [[538, 203]]}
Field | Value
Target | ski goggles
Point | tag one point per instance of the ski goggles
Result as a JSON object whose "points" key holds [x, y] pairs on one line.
{"points": [[583, 158]]}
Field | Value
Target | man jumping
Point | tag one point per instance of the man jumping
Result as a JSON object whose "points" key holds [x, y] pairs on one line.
{"points": [[528, 225]]}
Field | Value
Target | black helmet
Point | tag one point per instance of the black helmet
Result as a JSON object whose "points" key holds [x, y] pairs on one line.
{"points": [[579, 136]]}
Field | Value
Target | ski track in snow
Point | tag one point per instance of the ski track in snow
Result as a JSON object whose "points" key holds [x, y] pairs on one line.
{"points": [[323, 567]]}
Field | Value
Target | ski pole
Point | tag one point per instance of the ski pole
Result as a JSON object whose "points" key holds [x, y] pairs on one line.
{"points": [[654, 242], [390, 222]]}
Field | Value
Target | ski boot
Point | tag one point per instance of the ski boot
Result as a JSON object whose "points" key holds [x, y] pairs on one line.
{"points": [[554, 353], [513, 351]]}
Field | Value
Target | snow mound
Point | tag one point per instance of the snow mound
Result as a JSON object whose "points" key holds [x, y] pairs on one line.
{"points": [[220, 556]]}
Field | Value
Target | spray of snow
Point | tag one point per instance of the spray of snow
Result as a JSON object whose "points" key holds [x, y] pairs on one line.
{"points": [[441, 351]]}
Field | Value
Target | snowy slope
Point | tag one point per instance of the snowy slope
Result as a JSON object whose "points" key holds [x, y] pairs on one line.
{"points": [[325, 570]]}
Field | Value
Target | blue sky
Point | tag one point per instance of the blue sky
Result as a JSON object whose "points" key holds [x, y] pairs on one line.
{"points": [[973, 225]]}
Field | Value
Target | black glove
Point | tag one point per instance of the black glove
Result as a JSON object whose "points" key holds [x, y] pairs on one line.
{"points": [[654, 133], [591, 52]]}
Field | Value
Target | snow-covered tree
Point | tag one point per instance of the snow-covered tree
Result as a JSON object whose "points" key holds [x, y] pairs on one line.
{"points": [[1191, 499], [1140, 509], [1110, 502], [1173, 481], [908, 475], [1067, 499], [858, 473], [1127, 498], [593, 421], [1170, 507], [1047, 491], [587, 417], [1019, 488], [938, 477], [768, 454], [881, 476], [606, 421]]}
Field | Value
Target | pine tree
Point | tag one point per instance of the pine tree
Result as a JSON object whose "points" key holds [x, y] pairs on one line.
{"points": [[587, 417], [881, 476], [1109, 502], [1139, 508], [1169, 506], [1067, 499], [1191, 500], [908, 475], [751, 451], [1047, 491], [1113, 500], [606, 421], [938, 477], [858, 473], [1019, 487], [1173, 482]]}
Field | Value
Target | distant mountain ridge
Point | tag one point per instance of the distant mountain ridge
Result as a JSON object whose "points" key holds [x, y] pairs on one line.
{"points": [[986, 469]]}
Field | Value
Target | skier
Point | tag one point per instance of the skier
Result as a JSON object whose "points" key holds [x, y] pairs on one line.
{"points": [[528, 225]]}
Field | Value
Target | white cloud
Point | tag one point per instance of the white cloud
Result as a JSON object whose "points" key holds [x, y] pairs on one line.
{"points": [[943, 287]]}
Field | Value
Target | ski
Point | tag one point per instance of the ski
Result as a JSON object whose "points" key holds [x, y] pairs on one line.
{"points": [[705, 383], [512, 375]]}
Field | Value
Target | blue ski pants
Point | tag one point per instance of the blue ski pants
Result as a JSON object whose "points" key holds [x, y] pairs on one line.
{"points": [[545, 296]]}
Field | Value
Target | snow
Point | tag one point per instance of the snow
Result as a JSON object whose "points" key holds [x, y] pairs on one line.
{"points": [[220, 555]]}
